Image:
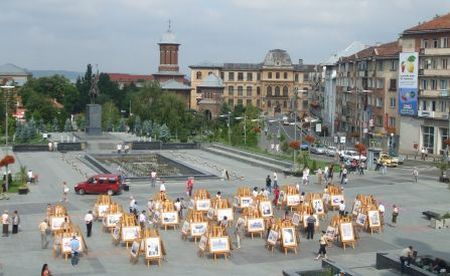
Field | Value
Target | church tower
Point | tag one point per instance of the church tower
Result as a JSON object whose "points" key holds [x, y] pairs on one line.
{"points": [[168, 52]]}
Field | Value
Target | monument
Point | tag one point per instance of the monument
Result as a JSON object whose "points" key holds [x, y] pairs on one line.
{"points": [[93, 110]]}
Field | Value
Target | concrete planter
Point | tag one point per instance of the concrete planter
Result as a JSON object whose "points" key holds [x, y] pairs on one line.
{"points": [[23, 191], [436, 224], [446, 222]]}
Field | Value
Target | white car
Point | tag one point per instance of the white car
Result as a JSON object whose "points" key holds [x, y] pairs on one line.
{"points": [[318, 149], [351, 154], [331, 151]]}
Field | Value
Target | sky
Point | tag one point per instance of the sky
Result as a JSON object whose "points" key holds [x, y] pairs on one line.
{"points": [[122, 35]]}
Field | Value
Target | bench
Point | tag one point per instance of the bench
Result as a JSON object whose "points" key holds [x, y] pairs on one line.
{"points": [[444, 179], [431, 214]]}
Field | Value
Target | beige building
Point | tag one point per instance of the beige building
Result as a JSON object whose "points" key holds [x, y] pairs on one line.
{"points": [[429, 129], [366, 96], [269, 85]]}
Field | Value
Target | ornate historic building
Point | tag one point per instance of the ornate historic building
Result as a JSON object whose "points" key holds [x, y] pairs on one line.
{"points": [[270, 85]]}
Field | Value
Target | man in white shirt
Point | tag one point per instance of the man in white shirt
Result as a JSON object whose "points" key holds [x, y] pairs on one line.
{"points": [[132, 204], [88, 218], [162, 187], [153, 178], [5, 222], [255, 192], [30, 176], [381, 210], [142, 219], [342, 208], [265, 192], [275, 179]]}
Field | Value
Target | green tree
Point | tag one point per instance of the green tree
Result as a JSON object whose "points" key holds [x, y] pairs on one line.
{"points": [[122, 127], [55, 125], [68, 125], [137, 125], [164, 133], [147, 127], [110, 115]]}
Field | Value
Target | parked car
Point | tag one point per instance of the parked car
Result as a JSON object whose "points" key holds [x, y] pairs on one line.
{"points": [[285, 120], [304, 146], [100, 184], [318, 149], [352, 154], [399, 158], [331, 151], [387, 160]]}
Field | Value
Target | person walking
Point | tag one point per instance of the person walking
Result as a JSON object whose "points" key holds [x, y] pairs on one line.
{"points": [[322, 249], [178, 208], [415, 174], [395, 212], [325, 174], [406, 256], [65, 192], [319, 176], [239, 231], [344, 176], [361, 167], [5, 223], [75, 249], [269, 183], [88, 219], [132, 204], [255, 192], [142, 219], [275, 179], [310, 220], [15, 222], [162, 187], [153, 178], [189, 186], [381, 210], [44, 230], [342, 208], [276, 195], [330, 175], [45, 271]]}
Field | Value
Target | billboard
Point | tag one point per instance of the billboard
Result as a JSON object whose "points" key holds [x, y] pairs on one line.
{"points": [[407, 83]]}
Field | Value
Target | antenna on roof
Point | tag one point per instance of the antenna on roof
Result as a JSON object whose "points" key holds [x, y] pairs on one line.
{"points": [[170, 26]]}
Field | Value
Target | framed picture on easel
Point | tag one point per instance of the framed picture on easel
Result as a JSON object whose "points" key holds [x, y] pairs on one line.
{"points": [[135, 247], [273, 237], [288, 237], [361, 219], [265, 208], [198, 228], [219, 244], [152, 247], [346, 231], [374, 219]]}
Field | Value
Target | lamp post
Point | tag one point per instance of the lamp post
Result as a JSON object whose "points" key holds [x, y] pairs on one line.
{"points": [[5, 88], [245, 127], [228, 115], [391, 144]]}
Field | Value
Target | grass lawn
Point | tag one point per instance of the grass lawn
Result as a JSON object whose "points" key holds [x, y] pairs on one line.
{"points": [[14, 186]]}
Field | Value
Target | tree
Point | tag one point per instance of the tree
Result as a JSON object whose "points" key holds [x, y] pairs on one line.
{"points": [[137, 125], [164, 133], [295, 144], [147, 127], [110, 115], [83, 85], [55, 124], [122, 125], [68, 125], [5, 162]]}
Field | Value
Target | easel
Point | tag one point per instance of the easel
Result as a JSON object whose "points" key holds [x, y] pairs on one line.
{"points": [[242, 193], [128, 220], [59, 213], [283, 246], [194, 217], [369, 203], [200, 194], [334, 190], [103, 202], [114, 209], [218, 232], [253, 213], [73, 231], [310, 198], [336, 222], [290, 191], [169, 207], [275, 227], [153, 233], [221, 203]]}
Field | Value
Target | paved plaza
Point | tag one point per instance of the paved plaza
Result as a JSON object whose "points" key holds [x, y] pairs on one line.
{"points": [[21, 254]]}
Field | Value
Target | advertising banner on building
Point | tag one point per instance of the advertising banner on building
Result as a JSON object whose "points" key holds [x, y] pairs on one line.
{"points": [[408, 83]]}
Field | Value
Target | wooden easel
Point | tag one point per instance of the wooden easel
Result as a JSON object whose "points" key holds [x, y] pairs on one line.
{"points": [[200, 194], [194, 217], [114, 209], [222, 203], [289, 190], [73, 231], [336, 222], [153, 233], [334, 190], [242, 192], [128, 220], [369, 203], [252, 213], [168, 206], [285, 248], [310, 198], [218, 232], [102, 200], [275, 227]]}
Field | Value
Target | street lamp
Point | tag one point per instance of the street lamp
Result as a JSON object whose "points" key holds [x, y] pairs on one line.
{"points": [[228, 124], [6, 87], [391, 145]]}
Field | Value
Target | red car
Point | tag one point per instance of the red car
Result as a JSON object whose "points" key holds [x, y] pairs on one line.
{"points": [[100, 184]]}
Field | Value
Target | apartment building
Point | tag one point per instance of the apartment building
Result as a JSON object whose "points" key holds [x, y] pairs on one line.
{"points": [[269, 85], [366, 96], [428, 126]]}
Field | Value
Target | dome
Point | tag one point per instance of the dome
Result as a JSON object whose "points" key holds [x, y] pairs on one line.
{"points": [[168, 38], [277, 57]]}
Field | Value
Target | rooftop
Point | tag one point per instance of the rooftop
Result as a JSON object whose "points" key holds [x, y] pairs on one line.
{"points": [[277, 57], [438, 23], [212, 81], [354, 47], [174, 85], [10, 69], [386, 50], [119, 77]]}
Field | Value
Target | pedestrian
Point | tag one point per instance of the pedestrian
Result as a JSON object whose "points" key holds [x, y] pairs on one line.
{"points": [[319, 176], [311, 221], [150, 206], [406, 256], [302, 198], [218, 195], [239, 231], [325, 174], [305, 176], [88, 219], [323, 245], [153, 178], [383, 169], [341, 170], [381, 210], [119, 148], [415, 174], [132, 204], [344, 175], [65, 192], [342, 208], [162, 187], [255, 191], [15, 222], [276, 193], [424, 152], [30, 176], [330, 175], [178, 207], [361, 167], [50, 146], [224, 223], [45, 271], [395, 212], [75, 249], [275, 179], [269, 183], [44, 230], [189, 186], [142, 219], [5, 223]]}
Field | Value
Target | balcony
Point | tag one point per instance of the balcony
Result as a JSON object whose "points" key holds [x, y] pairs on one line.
{"points": [[437, 51], [429, 93], [436, 72], [433, 114], [426, 114]]}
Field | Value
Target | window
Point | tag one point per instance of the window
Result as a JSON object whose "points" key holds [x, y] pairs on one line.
{"points": [[285, 91], [269, 75], [305, 77], [285, 75], [444, 63], [269, 103], [428, 137], [231, 102], [392, 121], [305, 104], [269, 91], [249, 91], [434, 63], [231, 76], [258, 103], [392, 85], [277, 91], [277, 75], [380, 65], [433, 105], [221, 75], [230, 90], [199, 75], [285, 104], [424, 43], [240, 76], [296, 77], [393, 102], [444, 42], [444, 136], [424, 84], [240, 91], [240, 102], [379, 120], [435, 43], [379, 102], [433, 84], [380, 83], [444, 84], [250, 76], [394, 65], [210, 73], [443, 105], [258, 91], [258, 76], [249, 102], [424, 105]]}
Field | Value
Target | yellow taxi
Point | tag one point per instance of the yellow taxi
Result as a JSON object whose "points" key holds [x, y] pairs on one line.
{"points": [[387, 160]]}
